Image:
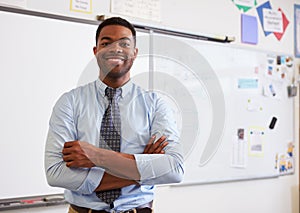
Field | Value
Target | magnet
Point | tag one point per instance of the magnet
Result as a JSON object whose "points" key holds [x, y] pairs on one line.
{"points": [[273, 122]]}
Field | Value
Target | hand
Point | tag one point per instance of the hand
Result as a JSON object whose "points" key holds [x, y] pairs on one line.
{"points": [[74, 155], [156, 147]]}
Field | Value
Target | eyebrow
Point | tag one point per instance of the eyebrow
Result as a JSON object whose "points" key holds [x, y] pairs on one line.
{"points": [[109, 38]]}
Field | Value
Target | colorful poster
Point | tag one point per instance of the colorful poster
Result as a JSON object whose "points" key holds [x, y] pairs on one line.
{"points": [[259, 10], [285, 23], [245, 5], [272, 20]]}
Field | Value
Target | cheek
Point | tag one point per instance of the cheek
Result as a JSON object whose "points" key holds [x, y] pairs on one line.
{"points": [[99, 56], [131, 53], [98, 59], [128, 64]]}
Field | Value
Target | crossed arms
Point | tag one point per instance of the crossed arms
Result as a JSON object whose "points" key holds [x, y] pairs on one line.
{"points": [[120, 168], [79, 166]]}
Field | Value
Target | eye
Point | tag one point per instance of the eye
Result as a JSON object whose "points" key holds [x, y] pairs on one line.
{"points": [[124, 44], [104, 44]]}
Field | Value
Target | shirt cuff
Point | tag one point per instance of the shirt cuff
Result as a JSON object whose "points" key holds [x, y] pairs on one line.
{"points": [[92, 180], [144, 164]]}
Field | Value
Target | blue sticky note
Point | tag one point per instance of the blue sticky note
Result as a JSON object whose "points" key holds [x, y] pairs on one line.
{"points": [[249, 29], [247, 83], [259, 10]]}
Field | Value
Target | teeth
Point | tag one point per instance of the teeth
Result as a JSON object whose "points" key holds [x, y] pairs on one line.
{"points": [[114, 59]]}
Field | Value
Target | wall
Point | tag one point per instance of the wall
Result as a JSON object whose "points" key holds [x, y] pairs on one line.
{"points": [[219, 17]]}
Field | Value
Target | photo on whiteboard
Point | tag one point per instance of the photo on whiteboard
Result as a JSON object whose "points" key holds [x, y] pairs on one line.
{"points": [[274, 89], [279, 68], [240, 133], [239, 150], [285, 163]]}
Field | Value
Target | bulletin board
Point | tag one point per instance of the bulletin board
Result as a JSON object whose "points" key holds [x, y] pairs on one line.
{"points": [[216, 90]]}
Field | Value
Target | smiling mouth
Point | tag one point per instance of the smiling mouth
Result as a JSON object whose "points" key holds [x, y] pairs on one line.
{"points": [[115, 58]]}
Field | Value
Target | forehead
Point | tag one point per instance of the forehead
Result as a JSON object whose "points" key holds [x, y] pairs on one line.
{"points": [[115, 32]]}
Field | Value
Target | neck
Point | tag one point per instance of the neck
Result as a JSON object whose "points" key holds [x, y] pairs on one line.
{"points": [[114, 82]]}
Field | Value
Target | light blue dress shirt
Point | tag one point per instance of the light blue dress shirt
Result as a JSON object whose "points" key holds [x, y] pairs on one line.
{"points": [[77, 115]]}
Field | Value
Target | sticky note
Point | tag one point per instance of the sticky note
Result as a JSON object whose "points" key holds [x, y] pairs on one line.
{"points": [[247, 83], [249, 29]]}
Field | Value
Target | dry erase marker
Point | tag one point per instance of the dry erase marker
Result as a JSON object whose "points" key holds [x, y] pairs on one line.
{"points": [[53, 198], [31, 201], [13, 203]]}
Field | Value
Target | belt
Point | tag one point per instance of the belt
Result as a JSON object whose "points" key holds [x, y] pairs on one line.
{"points": [[87, 210]]}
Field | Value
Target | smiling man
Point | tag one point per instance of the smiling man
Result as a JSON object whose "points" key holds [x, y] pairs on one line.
{"points": [[109, 142]]}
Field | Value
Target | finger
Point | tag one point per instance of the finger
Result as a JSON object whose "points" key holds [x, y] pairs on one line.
{"points": [[68, 157], [66, 151], [164, 145], [69, 164], [151, 140], [160, 150], [157, 144], [71, 150], [152, 147], [69, 144], [149, 144], [161, 139], [75, 148]]}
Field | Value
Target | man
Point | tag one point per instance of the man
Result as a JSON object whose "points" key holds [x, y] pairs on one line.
{"points": [[81, 154]]}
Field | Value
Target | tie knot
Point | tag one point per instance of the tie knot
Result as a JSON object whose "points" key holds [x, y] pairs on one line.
{"points": [[112, 93]]}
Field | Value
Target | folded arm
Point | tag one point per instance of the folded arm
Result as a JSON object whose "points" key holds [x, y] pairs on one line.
{"points": [[121, 168], [150, 167]]}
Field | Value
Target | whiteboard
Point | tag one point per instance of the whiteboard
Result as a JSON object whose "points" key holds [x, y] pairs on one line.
{"points": [[219, 90], [41, 58]]}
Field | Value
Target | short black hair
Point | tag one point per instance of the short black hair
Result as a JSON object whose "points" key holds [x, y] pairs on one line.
{"points": [[115, 21]]}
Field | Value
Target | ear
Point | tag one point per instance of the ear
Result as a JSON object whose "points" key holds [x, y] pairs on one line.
{"points": [[136, 50], [95, 50]]}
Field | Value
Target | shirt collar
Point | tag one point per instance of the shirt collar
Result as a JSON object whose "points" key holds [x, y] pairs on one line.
{"points": [[102, 86]]}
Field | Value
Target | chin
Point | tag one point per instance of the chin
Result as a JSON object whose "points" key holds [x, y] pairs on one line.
{"points": [[117, 71]]}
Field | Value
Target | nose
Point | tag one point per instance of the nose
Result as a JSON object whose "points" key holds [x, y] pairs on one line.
{"points": [[115, 47]]}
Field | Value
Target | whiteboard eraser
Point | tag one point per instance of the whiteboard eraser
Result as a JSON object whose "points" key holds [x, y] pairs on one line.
{"points": [[230, 38]]}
